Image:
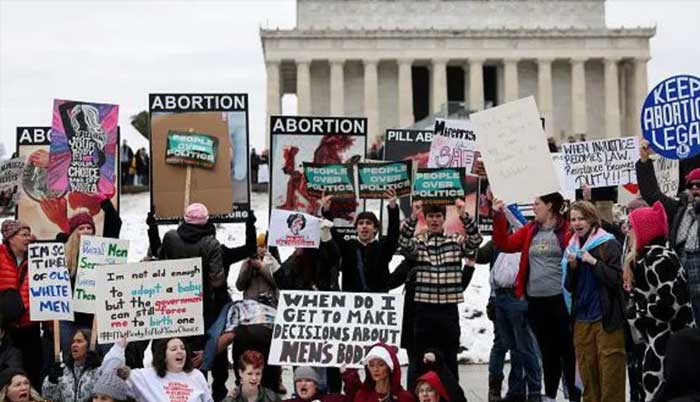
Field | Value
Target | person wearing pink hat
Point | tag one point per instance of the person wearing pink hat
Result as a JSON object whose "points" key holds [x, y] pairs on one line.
{"points": [[683, 214], [660, 298]]}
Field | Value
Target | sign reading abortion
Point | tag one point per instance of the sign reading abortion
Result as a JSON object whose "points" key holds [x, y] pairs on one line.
{"points": [[337, 180], [670, 117], [439, 186], [375, 179], [194, 149]]}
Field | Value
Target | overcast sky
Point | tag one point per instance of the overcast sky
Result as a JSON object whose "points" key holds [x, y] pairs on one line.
{"points": [[118, 52]]}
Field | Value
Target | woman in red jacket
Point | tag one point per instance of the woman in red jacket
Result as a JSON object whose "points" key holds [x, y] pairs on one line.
{"points": [[24, 334], [382, 378], [542, 243]]}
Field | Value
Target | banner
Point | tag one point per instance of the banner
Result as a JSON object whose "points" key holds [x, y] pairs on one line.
{"points": [[95, 251], [514, 149], [454, 145], [293, 229], [375, 179], [191, 149], [224, 187], [325, 140], [10, 183], [670, 117], [439, 185], [83, 147], [150, 300], [332, 329], [335, 180], [600, 163], [50, 296], [47, 212]]}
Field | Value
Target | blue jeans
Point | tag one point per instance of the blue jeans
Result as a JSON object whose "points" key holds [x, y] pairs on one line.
{"points": [[497, 357], [512, 323]]}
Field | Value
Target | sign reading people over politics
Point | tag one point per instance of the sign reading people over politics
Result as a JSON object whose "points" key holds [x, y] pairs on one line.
{"points": [[439, 185], [95, 251], [670, 117], [150, 300], [454, 145], [50, 296], [333, 329], [375, 179], [193, 149], [337, 180], [600, 163], [294, 229]]}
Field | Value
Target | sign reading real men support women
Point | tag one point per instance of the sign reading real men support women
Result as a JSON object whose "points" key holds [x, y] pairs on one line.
{"points": [[95, 251], [50, 296], [600, 163], [331, 329], [331, 179], [375, 179], [670, 117], [439, 186], [150, 300], [193, 149]]}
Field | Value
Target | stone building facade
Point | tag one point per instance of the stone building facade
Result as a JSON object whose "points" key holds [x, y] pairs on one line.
{"points": [[397, 61]]}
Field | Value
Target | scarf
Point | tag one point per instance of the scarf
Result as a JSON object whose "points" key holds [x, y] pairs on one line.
{"points": [[574, 248], [688, 231]]}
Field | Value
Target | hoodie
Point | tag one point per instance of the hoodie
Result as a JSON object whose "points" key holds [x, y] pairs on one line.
{"points": [[364, 392]]}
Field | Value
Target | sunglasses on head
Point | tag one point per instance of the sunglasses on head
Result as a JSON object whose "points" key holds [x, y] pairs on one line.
{"points": [[694, 184]]}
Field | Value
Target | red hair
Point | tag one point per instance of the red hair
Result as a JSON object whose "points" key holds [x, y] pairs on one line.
{"points": [[251, 358]]}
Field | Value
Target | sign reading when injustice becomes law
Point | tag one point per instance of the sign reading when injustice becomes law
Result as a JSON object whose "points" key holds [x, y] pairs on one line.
{"points": [[600, 163]]}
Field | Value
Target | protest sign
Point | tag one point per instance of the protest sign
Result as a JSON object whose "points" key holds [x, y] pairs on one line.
{"points": [[10, 183], [331, 179], [225, 186], [293, 229], [670, 117], [83, 147], [191, 149], [326, 140], [514, 149], [95, 251], [50, 296], [333, 329], [47, 212], [439, 185], [375, 179], [150, 300], [600, 163], [454, 145], [560, 168], [666, 171]]}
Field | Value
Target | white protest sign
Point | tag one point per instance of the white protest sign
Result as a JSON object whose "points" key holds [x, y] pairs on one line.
{"points": [[150, 300], [514, 149], [50, 296], [330, 329], [95, 251], [666, 171], [558, 161], [600, 163], [294, 229], [10, 182], [453, 145]]}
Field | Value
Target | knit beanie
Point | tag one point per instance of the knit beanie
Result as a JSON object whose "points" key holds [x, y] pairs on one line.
{"points": [[10, 228], [111, 385], [261, 240], [82, 218], [648, 224], [380, 352], [433, 380], [694, 175], [196, 214], [306, 373]]}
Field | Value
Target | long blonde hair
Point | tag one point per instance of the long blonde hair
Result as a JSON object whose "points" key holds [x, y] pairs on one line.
{"points": [[34, 395], [72, 249]]}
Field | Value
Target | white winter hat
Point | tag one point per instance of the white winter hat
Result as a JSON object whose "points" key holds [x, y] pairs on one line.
{"points": [[379, 352]]}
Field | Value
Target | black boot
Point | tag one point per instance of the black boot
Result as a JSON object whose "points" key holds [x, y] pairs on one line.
{"points": [[495, 384]]}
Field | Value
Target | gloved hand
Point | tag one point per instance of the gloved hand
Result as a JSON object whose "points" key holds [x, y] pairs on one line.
{"points": [[150, 219], [55, 372], [251, 218], [326, 226]]}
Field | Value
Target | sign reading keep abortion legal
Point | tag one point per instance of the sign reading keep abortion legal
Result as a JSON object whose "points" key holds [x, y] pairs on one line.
{"points": [[670, 117]]}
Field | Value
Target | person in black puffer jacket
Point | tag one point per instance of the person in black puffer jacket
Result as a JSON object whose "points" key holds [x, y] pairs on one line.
{"points": [[681, 368]]}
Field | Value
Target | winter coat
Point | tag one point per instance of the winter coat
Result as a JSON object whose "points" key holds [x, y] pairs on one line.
{"points": [[313, 269], [264, 395], [254, 282], [10, 279], [448, 380], [321, 398], [520, 241], [364, 392], [76, 383], [681, 368], [10, 357], [608, 273]]}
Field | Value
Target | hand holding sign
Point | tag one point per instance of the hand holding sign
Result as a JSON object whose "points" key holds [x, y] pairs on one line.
{"points": [[416, 209], [461, 206], [391, 197], [498, 204], [645, 150]]}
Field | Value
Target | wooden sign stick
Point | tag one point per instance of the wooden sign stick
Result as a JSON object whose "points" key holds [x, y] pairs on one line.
{"points": [[188, 182], [56, 341], [93, 334]]}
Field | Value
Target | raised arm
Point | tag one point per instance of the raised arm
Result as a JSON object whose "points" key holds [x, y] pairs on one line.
{"points": [[648, 185]]}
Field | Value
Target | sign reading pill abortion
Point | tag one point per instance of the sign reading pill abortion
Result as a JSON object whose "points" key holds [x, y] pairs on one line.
{"points": [[670, 117]]}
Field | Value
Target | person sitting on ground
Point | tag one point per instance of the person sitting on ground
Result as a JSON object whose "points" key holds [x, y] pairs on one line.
{"points": [[306, 382], [15, 387], [429, 388], [250, 367], [382, 378]]}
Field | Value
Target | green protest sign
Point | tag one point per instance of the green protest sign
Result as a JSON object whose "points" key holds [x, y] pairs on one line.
{"points": [[336, 180], [439, 185], [192, 149], [374, 179]]}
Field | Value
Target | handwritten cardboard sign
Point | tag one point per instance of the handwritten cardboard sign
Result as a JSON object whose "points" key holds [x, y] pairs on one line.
{"points": [[95, 251], [150, 300], [600, 163], [330, 329], [666, 171], [294, 229], [193, 149], [50, 296], [453, 145], [337, 180], [375, 179], [439, 185]]}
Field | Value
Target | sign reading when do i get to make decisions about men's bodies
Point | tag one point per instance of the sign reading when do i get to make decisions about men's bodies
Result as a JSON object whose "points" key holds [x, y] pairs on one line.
{"points": [[332, 329]]}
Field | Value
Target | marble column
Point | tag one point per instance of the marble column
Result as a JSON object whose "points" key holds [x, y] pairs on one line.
{"points": [[371, 100], [510, 77], [476, 84], [405, 93], [639, 90], [612, 99], [579, 118], [303, 88], [439, 84], [544, 94], [337, 87], [274, 95]]}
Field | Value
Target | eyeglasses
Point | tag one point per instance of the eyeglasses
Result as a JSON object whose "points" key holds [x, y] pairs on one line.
{"points": [[695, 184]]}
